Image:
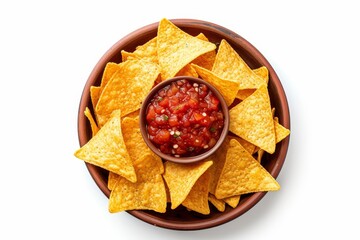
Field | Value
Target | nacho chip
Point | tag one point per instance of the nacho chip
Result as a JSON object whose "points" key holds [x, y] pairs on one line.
{"points": [[260, 154], [262, 72], [107, 150], [228, 89], [188, 70], [243, 174], [127, 88], [229, 65], [148, 193], [197, 199], [133, 139], [218, 159], [280, 131], [125, 55], [134, 143], [146, 51], [109, 71], [95, 93], [247, 145], [205, 60], [252, 120], [176, 48], [218, 203], [244, 93], [232, 201], [112, 180], [180, 178], [93, 125]]}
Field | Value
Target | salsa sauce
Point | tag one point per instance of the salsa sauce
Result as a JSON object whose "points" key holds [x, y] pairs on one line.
{"points": [[184, 119]]}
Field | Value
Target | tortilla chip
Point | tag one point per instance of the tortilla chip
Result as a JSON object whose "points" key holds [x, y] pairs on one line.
{"points": [[112, 180], [232, 201], [243, 174], [229, 65], [146, 51], [188, 70], [280, 131], [260, 154], [148, 193], [205, 60], [95, 91], [176, 48], [218, 159], [93, 125], [197, 199], [244, 93], [180, 178], [107, 150], [247, 145], [252, 120], [262, 72], [125, 55], [228, 89], [127, 88], [218, 203]]}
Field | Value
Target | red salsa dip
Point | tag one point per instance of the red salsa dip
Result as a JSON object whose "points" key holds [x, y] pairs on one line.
{"points": [[184, 119]]}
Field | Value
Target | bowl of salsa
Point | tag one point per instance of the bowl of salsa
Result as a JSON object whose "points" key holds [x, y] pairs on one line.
{"points": [[184, 119]]}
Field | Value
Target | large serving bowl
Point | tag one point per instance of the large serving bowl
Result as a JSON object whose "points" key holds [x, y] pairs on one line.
{"points": [[181, 218]]}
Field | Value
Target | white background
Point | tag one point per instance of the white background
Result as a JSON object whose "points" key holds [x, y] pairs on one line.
{"points": [[47, 51]]}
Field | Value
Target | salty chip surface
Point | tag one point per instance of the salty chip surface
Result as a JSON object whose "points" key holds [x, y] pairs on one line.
{"points": [[252, 120], [242, 174], [177, 48], [107, 149], [147, 193]]}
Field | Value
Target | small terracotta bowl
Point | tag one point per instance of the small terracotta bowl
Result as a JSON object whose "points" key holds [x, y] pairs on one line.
{"points": [[180, 218], [192, 159]]}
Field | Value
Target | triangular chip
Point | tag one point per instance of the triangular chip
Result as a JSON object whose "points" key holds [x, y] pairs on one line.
{"points": [[218, 159], [218, 203], [112, 180], [197, 199], [262, 72], [229, 65], [93, 125], [188, 70], [252, 120], [134, 142], [177, 48], [243, 174], [227, 88], [146, 51], [232, 201], [180, 178], [148, 193], [127, 88], [109, 71], [107, 150], [205, 60], [281, 132]]}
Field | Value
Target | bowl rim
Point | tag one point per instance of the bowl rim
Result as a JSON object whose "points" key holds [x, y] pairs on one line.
{"points": [[183, 160], [233, 38]]}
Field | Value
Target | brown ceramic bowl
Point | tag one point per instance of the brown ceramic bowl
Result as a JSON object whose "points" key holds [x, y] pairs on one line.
{"points": [[180, 218], [192, 159]]}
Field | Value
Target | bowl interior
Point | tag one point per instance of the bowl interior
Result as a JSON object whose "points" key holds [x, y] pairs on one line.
{"points": [[180, 218]]}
